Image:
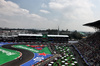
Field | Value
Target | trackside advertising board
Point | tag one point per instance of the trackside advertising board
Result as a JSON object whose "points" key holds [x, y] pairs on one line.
{"points": [[4, 43]]}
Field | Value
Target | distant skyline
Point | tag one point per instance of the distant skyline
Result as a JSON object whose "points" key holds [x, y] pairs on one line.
{"points": [[49, 14]]}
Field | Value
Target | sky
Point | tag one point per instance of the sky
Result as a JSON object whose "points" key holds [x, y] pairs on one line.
{"points": [[49, 14]]}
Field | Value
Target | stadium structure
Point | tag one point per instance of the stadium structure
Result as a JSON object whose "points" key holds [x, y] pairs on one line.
{"points": [[50, 50], [89, 48]]}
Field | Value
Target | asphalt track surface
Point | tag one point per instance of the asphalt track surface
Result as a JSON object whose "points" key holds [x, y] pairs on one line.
{"points": [[26, 56]]}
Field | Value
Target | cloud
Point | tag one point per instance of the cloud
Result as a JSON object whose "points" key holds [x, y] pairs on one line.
{"points": [[55, 5], [44, 5], [67, 14], [73, 9], [11, 15], [44, 11], [74, 12]]}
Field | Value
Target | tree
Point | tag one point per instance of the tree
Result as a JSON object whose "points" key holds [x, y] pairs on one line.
{"points": [[76, 35]]}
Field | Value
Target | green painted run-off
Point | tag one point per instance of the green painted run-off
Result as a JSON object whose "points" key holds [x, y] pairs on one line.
{"points": [[44, 50], [7, 55]]}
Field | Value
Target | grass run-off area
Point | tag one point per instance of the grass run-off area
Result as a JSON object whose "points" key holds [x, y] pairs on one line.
{"points": [[44, 50], [7, 55]]}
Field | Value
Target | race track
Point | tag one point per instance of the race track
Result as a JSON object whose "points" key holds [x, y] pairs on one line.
{"points": [[26, 56]]}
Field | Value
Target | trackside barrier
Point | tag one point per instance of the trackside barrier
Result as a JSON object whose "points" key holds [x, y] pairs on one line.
{"points": [[35, 42], [4, 43], [81, 55]]}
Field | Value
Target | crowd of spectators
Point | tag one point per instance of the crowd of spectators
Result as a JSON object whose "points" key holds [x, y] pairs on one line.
{"points": [[90, 49]]}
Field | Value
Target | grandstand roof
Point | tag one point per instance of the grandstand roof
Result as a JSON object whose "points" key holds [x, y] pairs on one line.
{"points": [[95, 24], [41, 35], [58, 36], [29, 34]]}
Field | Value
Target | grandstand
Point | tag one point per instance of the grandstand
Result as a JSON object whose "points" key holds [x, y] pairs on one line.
{"points": [[40, 38], [35, 38], [89, 48], [95, 24]]}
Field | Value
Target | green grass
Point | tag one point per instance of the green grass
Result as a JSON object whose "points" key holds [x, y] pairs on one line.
{"points": [[7, 55]]}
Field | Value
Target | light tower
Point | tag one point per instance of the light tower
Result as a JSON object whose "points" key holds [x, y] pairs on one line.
{"points": [[58, 30]]}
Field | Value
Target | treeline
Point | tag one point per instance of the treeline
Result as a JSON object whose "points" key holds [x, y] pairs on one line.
{"points": [[76, 35]]}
